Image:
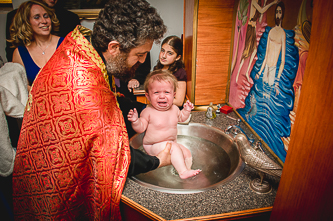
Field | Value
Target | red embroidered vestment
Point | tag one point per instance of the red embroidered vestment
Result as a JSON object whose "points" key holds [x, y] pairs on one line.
{"points": [[73, 152]]}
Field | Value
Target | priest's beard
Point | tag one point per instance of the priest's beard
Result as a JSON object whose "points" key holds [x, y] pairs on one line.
{"points": [[118, 67]]}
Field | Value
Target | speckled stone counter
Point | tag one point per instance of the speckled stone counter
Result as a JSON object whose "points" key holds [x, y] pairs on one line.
{"points": [[233, 196]]}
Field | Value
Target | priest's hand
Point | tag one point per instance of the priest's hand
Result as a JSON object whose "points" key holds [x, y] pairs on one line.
{"points": [[164, 156]]}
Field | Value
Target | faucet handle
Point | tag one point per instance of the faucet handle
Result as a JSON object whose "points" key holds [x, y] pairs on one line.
{"points": [[258, 145], [226, 131]]}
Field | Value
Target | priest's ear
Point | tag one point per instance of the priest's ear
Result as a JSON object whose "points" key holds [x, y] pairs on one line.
{"points": [[113, 48]]}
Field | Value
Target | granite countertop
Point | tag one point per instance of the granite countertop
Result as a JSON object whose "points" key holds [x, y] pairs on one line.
{"points": [[233, 196]]}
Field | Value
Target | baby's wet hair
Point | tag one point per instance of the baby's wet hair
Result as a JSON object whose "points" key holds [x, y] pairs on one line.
{"points": [[160, 75]]}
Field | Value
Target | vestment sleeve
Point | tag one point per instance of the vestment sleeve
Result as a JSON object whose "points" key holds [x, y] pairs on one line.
{"points": [[141, 162]]}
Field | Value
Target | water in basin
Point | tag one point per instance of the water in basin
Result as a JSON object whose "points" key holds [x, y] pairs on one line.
{"points": [[213, 152]]}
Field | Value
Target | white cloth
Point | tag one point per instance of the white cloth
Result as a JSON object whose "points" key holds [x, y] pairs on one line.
{"points": [[13, 98]]}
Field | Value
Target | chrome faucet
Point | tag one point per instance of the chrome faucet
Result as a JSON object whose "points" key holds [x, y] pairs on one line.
{"points": [[234, 128]]}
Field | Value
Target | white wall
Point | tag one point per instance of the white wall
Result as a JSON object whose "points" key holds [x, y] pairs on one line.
{"points": [[88, 23], [17, 3], [171, 12]]}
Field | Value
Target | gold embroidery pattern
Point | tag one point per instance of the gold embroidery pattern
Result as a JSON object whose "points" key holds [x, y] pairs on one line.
{"points": [[91, 52], [73, 140]]}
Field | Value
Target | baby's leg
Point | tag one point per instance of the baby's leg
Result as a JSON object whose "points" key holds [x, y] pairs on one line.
{"points": [[178, 161], [187, 156]]}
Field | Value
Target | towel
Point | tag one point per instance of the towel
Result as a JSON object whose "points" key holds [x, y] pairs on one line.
{"points": [[13, 98]]}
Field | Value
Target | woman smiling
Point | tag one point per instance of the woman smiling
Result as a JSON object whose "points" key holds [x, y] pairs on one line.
{"points": [[32, 33]]}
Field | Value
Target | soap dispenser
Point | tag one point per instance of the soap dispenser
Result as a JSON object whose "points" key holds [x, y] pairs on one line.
{"points": [[210, 113]]}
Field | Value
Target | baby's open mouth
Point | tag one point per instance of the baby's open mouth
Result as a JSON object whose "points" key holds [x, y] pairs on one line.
{"points": [[162, 103]]}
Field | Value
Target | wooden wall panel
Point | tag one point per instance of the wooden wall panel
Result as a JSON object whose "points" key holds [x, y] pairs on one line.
{"points": [[213, 50], [306, 186]]}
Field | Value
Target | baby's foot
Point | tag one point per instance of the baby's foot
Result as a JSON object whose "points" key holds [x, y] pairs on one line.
{"points": [[189, 173]]}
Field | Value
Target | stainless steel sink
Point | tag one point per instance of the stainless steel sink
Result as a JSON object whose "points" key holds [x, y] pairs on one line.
{"points": [[213, 152]]}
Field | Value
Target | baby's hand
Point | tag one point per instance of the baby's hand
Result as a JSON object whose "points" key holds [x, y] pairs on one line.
{"points": [[188, 106], [132, 115]]}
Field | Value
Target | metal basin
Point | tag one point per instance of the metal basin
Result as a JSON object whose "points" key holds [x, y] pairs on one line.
{"points": [[213, 152]]}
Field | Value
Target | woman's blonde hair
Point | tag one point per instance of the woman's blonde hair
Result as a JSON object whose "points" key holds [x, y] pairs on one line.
{"points": [[160, 75], [21, 32]]}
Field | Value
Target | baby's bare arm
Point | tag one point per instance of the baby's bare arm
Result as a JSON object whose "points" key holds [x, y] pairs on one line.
{"points": [[185, 113], [138, 124]]}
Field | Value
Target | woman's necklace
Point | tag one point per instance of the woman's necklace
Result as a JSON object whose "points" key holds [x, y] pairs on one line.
{"points": [[43, 51]]}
